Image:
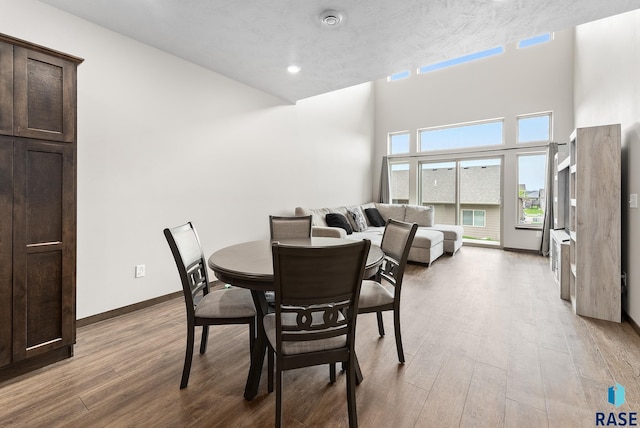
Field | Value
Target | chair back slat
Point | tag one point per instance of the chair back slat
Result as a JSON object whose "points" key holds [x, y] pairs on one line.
{"points": [[187, 253], [290, 227], [396, 244], [317, 290]]}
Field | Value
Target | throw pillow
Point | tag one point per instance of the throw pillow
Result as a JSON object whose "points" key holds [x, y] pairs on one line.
{"points": [[338, 220], [375, 219], [358, 219], [423, 216]]}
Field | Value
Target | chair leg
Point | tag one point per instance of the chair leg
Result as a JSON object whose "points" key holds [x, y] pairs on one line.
{"points": [[332, 372], [188, 356], [396, 324], [351, 395], [380, 324], [203, 340], [278, 395], [270, 369], [252, 334]]}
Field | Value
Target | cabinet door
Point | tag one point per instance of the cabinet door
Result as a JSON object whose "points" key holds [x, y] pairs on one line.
{"points": [[6, 89], [6, 248], [44, 96], [43, 247]]}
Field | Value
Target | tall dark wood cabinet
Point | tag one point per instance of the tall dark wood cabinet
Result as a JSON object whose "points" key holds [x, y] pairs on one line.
{"points": [[37, 205]]}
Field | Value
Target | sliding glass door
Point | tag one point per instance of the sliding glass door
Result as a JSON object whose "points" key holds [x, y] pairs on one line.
{"points": [[465, 192]]}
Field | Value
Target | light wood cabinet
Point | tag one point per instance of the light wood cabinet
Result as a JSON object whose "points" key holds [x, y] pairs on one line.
{"points": [[595, 222], [37, 205], [559, 261]]}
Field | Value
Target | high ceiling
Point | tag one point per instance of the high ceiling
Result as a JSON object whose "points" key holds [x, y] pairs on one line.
{"points": [[253, 41]]}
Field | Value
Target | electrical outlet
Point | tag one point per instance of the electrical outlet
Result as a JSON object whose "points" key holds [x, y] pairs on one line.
{"points": [[140, 271]]}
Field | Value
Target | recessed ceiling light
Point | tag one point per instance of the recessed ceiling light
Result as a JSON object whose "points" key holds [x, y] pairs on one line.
{"points": [[293, 69], [331, 18]]}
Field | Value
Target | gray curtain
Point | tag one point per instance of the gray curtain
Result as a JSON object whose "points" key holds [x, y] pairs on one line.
{"points": [[548, 209], [384, 181]]}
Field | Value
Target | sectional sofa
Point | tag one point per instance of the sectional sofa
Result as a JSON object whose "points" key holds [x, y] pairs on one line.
{"points": [[431, 240]]}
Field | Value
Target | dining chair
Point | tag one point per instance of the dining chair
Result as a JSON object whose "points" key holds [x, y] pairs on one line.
{"points": [[205, 307], [282, 227], [374, 296], [316, 306]]}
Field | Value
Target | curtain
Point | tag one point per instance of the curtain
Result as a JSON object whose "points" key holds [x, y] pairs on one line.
{"points": [[384, 181], [548, 209]]}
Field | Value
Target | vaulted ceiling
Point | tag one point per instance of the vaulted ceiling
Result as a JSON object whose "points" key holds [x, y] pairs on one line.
{"points": [[254, 41]]}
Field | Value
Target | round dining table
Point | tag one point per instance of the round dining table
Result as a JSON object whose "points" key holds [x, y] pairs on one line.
{"points": [[250, 265]]}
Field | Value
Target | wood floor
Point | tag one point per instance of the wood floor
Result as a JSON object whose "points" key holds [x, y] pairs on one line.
{"points": [[488, 343]]}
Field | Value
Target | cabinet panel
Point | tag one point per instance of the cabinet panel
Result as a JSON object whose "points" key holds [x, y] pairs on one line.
{"points": [[6, 89], [44, 96], [43, 247], [43, 196], [44, 297], [6, 248]]}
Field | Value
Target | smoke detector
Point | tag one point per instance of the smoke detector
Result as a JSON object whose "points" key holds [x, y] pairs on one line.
{"points": [[331, 18]]}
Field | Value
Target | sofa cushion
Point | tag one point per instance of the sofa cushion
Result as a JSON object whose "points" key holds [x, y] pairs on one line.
{"points": [[375, 219], [393, 211], [339, 220], [451, 232], [423, 216], [360, 224], [427, 238]]}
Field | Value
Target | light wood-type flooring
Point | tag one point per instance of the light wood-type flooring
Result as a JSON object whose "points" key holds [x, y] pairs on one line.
{"points": [[487, 339]]}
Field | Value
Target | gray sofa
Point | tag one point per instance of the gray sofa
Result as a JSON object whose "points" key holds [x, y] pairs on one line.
{"points": [[430, 242]]}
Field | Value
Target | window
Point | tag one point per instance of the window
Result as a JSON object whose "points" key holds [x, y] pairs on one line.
{"points": [[465, 192], [399, 76], [398, 143], [399, 187], [473, 218], [531, 189], [532, 41], [487, 133], [461, 60], [534, 128]]}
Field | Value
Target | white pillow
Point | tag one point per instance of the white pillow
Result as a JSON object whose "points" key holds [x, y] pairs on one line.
{"points": [[358, 219], [419, 214]]}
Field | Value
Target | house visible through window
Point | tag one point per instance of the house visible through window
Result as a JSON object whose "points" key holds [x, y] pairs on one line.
{"points": [[473, 218], [399, 183], [531, 189]]}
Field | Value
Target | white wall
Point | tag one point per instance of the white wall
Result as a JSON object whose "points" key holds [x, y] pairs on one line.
{"points": [[162, 141], [520, 81], [607, 90]]}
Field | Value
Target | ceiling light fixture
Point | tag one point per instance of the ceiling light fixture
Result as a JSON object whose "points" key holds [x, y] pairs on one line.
{"points": [[293, 69], [331, 18]]}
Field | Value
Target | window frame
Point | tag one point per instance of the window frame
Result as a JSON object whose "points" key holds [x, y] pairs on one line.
{"points": [[518, 224], [390, 136], [519, 117], [473, 217], [500, 120]]}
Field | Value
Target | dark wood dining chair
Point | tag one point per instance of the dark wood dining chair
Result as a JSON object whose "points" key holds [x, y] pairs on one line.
{"points": [[205, 307], [374, 297], [282, 227], [316, 306]]}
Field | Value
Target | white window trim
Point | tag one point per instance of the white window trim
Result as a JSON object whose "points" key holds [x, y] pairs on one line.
{"points": [[530, 116], [460, 150], [473, 216]]}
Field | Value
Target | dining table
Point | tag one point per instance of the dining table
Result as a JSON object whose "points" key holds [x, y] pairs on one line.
{"points": [[250, 265]]}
